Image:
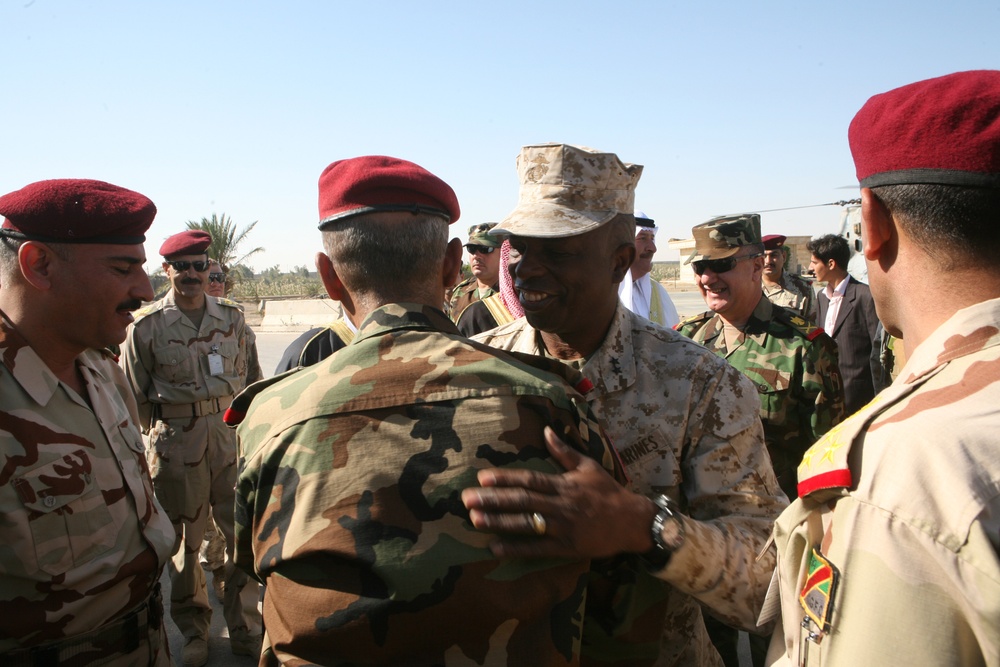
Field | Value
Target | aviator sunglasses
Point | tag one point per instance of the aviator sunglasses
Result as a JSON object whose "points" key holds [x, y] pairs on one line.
{"points": [[182, 265], [718, 265], [216, 277], [481, 249]]}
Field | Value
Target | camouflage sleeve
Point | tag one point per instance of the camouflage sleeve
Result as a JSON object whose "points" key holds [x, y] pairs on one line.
{"points": [[821, 381], [733, 498], [137, 362]]}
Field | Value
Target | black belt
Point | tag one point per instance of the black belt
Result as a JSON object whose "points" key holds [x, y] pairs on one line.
{"points": [[123, 636]]}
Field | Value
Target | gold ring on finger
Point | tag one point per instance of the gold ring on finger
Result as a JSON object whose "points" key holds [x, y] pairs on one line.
{"points": [[538, 523]]}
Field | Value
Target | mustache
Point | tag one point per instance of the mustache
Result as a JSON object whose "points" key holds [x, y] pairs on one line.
{"points": [[131, 304], [190, 281]]}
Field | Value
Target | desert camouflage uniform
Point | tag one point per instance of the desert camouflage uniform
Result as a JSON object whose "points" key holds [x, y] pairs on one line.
{"points": [[82, 538], [793, 293], [685, 423], [348, 502], [898, 520], [793, 365], [193, 458]]}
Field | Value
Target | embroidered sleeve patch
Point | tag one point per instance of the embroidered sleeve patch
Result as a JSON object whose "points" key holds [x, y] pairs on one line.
{"points": [[818, 590]]}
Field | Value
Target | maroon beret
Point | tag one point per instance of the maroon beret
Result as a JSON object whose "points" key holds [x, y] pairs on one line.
{"points": [[773, 241], [76, 210], [942, 131], [379, 183], [191, 242]]}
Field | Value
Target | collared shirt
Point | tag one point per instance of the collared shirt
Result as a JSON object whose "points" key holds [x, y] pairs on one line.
{"points": [[836, 296], [898, 520], [686, 424], [83, 539], [166, 357]]}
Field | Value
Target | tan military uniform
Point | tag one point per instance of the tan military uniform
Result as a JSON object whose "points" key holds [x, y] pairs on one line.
{"points": [[890, 556], [685, 423], [169, 364], [83, 539], [795, 294]]}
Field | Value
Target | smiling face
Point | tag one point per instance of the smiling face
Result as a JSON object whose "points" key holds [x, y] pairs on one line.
{"points": [[645, 248], [100, 287], [568, 286], [734, 294]]}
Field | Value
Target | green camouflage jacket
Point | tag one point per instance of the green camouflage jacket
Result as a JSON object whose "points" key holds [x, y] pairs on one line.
{"points": [[348, 501], [891, 554], [686, 424], [793, 365], [82, 539], [464, 295]]}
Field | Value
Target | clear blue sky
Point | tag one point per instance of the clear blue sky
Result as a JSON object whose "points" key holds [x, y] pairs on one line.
{"points": [[236, 107]]}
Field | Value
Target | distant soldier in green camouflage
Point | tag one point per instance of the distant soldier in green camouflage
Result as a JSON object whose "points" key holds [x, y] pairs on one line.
{"points": [[792, 364], [781, 287], [185, 357], [83, 539], [348, 502], [484, 261]]}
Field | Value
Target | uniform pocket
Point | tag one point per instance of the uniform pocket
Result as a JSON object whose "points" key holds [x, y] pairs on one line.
{"points": [[67, 513], [175, 362]]}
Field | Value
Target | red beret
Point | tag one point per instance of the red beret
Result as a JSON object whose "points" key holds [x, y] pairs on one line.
{"points": [[379, 183], [773, 241], [191, 242], [76, 210], [942, 131]]}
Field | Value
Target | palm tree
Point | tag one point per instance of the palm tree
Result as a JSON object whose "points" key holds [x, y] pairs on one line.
{"points": [[226, 239]]}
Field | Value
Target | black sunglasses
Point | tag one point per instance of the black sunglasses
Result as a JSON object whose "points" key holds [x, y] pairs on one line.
{"points": [[217, 277], [718, 265], [182, 265], [482, 249]]}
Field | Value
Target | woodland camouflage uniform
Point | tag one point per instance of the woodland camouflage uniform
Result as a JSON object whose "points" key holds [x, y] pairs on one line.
{"points": [[363, 456]]}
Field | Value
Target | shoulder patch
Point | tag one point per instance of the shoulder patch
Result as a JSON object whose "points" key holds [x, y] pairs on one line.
{"points": [[797, 322], [147, 310], [694, 319], [223, 301]]}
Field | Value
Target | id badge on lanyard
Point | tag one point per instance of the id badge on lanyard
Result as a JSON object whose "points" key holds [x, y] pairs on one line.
{"points": [[215, 365]]}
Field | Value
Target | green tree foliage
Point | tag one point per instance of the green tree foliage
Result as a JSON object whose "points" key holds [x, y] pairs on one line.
{"points": [[226, 240]]}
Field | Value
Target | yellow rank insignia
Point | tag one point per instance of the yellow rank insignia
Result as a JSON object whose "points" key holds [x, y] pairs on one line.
{"points": [[816, 596]]}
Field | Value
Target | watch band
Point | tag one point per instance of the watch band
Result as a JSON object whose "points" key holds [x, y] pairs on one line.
{"points": [[667, 532]]}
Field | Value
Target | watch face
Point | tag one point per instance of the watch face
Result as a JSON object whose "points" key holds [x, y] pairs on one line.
{"points": [[672, 533]]}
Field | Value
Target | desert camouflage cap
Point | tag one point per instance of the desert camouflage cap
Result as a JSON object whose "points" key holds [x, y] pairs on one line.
{"points": [[568, 190], [723, 237], [480, 235]]}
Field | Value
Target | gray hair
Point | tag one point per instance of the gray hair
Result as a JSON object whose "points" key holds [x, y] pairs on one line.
{"points": [[382, 257]]}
